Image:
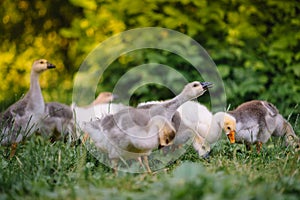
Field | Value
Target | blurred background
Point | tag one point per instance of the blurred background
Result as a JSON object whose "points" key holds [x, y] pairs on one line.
{"points": [[255, 45]]}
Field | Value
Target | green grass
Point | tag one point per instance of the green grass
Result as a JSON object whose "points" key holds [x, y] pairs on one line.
{"points": [[44, 170]]}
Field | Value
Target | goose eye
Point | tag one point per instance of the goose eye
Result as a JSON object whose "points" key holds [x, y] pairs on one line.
{"points": [[228, 128], [41, 62], [195, 85]]}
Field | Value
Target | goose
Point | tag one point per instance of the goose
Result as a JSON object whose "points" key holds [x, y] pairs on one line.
{"points": [[134, 121], [21, 118], [57, 122], [257, 121], [100, 107], [104, 97], [136, 138], [205, 126], [194, 120]]}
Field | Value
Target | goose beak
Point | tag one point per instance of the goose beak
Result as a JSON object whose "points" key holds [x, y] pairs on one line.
{"points": [[206, 155], [231, 137], [206, 85], [50, 65]]}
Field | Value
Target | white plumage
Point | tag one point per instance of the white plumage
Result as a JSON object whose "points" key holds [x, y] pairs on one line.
{"points": [[85, 114], [196, 121], [100, 107], [207, 125]]}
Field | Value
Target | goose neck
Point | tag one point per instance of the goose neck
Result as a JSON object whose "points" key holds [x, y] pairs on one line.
{"points": [[34, 81], [177, 101], [216, 124], [35, 92]]}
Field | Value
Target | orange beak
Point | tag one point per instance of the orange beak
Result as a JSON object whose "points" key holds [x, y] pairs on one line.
{"points": [[231, 137]]}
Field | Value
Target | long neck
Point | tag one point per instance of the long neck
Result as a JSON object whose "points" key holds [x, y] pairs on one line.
{"points": [[215, 130], [35, 93], [173, 104]]}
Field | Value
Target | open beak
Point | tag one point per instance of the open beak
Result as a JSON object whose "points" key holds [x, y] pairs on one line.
{"points": [[231, 137], [206, 85], [50, 65]]}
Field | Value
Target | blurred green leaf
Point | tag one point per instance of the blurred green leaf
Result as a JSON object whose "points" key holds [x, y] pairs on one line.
{"points": [[255, 45]]}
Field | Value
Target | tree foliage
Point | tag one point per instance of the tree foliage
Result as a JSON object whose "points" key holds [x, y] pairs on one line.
{"points": [[255, 44]]}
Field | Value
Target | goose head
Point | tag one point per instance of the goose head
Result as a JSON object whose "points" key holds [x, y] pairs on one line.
{"points": [[41, 65], [166, 132], [104, 97], [195, 89], [230, 127]]}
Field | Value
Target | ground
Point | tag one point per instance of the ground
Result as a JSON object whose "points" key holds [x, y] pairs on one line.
{"points": [[59, 170]]}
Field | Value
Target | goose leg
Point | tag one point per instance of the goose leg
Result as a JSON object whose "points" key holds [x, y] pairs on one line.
{"points": [[85, 137], [114, 163], [141, 162], [13, 150], [146, 162], [248, 147], [258, 147]]}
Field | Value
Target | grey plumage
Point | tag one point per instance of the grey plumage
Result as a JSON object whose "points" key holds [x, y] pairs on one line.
{"points": [[55, 109], [58, 121], [258, 120], [169, 107], [126, 133], [21, 118], [125, 138]]}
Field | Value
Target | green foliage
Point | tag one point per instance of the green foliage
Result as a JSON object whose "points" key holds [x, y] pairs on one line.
{"points": [[255, 45], [29, 31]]}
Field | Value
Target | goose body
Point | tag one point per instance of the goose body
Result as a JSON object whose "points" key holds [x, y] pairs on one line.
{"points": [[85, 114], [258, 120], [133, 139], [204, 124], [100, 107], [21, 118], [58, 121]]}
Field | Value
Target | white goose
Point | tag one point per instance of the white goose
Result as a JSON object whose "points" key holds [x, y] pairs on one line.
{"points": [[21, 119], [134, 122], [100, 107], [196, 121], [257, 121]]}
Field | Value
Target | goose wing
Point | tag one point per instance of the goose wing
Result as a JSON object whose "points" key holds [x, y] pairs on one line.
{"points": [[55, 109]]}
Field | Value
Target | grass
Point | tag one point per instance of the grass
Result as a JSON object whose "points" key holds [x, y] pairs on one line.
{"points": [[45, 170]]}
